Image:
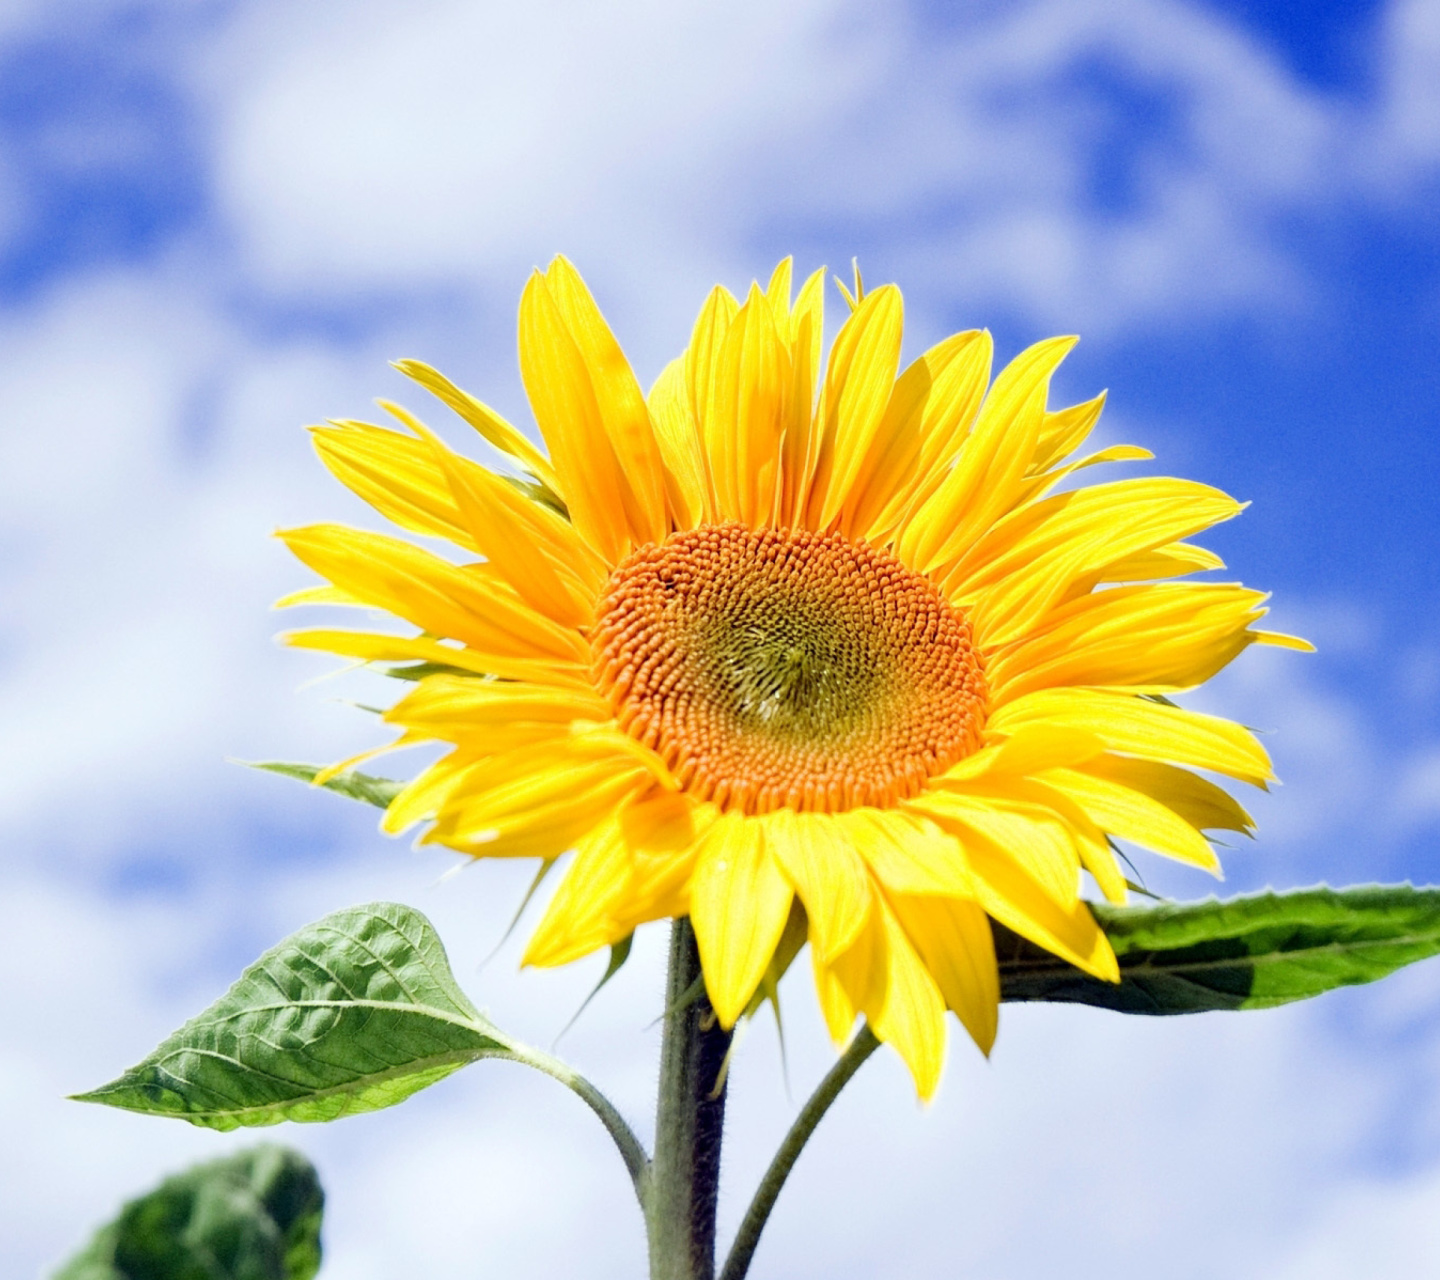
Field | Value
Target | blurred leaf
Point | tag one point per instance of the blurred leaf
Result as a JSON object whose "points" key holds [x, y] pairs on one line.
{"points": [[252, 1216], [358, 786], [1246, 953], [352, 1013]]}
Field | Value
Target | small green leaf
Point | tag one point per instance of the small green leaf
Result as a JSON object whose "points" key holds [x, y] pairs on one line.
{"points": [[1253, 952], [358, 786], [352, 1013], [251, 1216]]}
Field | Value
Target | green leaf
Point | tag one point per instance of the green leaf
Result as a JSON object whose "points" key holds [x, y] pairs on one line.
{"points": [[352, 1013], [358, 786], [1246, 953], [251, 1216]]}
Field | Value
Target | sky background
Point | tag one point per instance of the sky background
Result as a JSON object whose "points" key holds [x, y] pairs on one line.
{"points": [[219, 221]]}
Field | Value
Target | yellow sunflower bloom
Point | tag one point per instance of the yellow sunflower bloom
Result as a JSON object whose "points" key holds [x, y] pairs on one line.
{"points": [[802, 650]]}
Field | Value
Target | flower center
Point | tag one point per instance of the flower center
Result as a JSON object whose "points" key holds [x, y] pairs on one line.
{"points": [[780, 667]]}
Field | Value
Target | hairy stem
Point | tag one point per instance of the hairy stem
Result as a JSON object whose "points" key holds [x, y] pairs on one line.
{"points": [[860, 1048], [632, 1151], [682, 1185]]}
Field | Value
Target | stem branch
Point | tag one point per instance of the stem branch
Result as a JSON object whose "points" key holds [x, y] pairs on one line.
{"points": [[632, 1151], [860, 1048]]}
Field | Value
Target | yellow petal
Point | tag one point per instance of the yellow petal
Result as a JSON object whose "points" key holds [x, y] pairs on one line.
{"points": [[909, 1012], [1035, 487], [1170, 561], [371, 646], [1030, 748], [777, 292], [395, 474], [434, 595], [1134, 816], [907, 853], [858, 383], [316, 595], [687, 482], [817, 858], [563, 400], [804, 337], [576, 921], [1065, 430], [535, 802], [1033, 837], [702, 368], [1153, 638], [739, 900], [1199, 801], [836, 1007], [440, 702], [1006, 892], [514, 535], [956, 399], [1031, 560], [747, 414], [992, 464], [619, 400], [929, 413], [423, 797], [1138, 727], [1086, 836], [1281, 641], [662, 830], [484, 419], [807, 321], [954, 941]]}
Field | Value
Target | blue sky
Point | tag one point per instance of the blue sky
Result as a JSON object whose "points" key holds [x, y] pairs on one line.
{"points": [[218, 221]]}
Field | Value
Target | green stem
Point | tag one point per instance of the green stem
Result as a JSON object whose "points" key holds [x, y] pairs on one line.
{"points": [[860, 1048], [632, 1151], [681, 1189]]}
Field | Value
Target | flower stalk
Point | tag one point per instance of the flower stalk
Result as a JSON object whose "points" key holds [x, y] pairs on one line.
{"points": [[860, 1048], [682, 1185]]}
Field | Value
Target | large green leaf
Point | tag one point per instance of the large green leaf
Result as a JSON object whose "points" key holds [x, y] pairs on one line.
{"points": [[251, 1216], [1246, 953], [358, 786], [352, 1013]]}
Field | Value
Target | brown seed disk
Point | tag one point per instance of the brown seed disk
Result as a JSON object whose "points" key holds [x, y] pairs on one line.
{"points": [[781, 667]]}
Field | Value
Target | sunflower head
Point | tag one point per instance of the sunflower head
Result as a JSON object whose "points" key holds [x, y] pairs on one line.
{"points": [[776, 668], [806, 650]]}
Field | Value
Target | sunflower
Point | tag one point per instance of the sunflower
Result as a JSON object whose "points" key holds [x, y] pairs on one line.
{"points": [[808, 651]]}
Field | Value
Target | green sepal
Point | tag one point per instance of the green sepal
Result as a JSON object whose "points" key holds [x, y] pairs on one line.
{"points": [[413, 671], [1252, 952], [251, 1216], [619, 954], [350, 1014], [357, 786]]}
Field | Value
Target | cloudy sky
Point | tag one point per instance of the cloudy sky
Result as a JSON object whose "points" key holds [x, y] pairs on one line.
{"points": [[220, 219]]}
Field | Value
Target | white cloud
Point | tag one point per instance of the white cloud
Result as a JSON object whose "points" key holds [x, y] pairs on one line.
{"points": [[139, 569], [1419, 790], [449, 138], [659, 144], [1412, 52]]}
